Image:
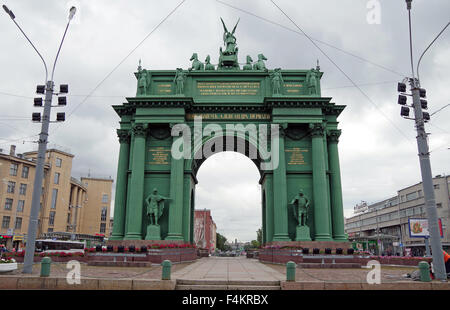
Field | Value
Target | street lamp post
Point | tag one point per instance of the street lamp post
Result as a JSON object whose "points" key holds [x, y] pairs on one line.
{"points": [[424, 157], [42, 148]]}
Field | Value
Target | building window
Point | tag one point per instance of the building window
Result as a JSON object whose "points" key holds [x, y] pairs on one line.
{"points": [[18, 223], [56, 179], [11, 186], [25, 171], [23, 189], [102, 228], [51, 218], [13, 169], [419, 192], [8, 204], [68, 218], [105, 198], [439, 205], [58, 162], [20, 205], [50, 229], [54, 197], [411, 196], [104, 211], [5, 222], [436, 186]]}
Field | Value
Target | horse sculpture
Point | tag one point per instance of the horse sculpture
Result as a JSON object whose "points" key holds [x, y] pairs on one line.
{"points": [[208, 65], [248, 65], [196, 64], [259, 65]]}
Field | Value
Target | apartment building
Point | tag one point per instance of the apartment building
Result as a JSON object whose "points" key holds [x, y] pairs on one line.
{"points": [[384, 227], [205, 230], [64, 206]]}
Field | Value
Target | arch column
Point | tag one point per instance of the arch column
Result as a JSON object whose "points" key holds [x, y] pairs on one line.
{"points": [[121, 185], [320, 194], [337, 208], [176, 203], [280, 193], [134, 209]]}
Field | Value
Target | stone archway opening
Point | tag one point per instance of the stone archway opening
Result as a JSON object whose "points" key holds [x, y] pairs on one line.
{"points": [[228, 186]]}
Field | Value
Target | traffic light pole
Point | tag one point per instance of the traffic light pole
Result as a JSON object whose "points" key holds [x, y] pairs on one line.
{"points": [[39, 176], [427, 181], [42, 147]]}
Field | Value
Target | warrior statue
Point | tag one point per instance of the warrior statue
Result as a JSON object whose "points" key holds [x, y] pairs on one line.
{"points": [[155, 206], [228, 58], [277, 81], [142, 81], [301, 205], [179, 81], [229, 40]]}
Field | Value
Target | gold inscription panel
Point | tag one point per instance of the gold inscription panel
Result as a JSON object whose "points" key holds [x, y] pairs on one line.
{"points": [[228, 88], [159, 155], [229, 116], [296, 156], [163, 88], [293, 88]]}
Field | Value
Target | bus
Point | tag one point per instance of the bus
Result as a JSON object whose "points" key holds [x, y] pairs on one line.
{"points": [[50, 245]]}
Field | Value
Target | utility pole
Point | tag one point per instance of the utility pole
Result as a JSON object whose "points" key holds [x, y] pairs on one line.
{"points": [[424, 159], [42, 142]]}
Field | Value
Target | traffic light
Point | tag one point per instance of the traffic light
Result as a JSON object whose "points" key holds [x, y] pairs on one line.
{"points": [[426, 116], [404, 111], [401, 99], [63, 88], [424, 104], [422, 93], [401, 87], [40, 89], [36, 117], [60, 117], [62, 100], [38, 102]]}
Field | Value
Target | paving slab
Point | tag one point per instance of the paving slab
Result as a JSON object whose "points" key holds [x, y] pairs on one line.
{"points": [[228, 269]]}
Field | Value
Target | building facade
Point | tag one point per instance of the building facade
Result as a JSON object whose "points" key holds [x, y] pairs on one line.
{"points": [[384, 227], [205, 230], [65, 205]]}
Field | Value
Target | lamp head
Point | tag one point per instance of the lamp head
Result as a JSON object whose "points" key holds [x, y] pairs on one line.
{"points": [[72, 12], [9, 12]]}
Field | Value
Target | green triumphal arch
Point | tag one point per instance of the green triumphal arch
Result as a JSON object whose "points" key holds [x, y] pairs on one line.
{"points": [[277, 118]]}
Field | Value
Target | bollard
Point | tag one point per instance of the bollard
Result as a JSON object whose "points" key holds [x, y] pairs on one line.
{"points": [[45, 266], [424, 269], [290, 271], [166, 266]]}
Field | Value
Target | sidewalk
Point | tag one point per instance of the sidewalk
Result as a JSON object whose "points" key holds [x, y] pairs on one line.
{"points": [[228, 269]]}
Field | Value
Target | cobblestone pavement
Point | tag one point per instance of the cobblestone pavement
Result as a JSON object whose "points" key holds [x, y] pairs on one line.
{"points": [[101, 272], [223, 268], [228, 268], [353, 275]]}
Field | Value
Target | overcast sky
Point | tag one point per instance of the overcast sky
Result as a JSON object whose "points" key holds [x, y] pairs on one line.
{"points": [[377, 157]]}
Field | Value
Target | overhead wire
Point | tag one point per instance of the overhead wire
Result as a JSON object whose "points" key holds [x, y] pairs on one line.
{"points": [[119, 64], [311, 38], [346, 75]]}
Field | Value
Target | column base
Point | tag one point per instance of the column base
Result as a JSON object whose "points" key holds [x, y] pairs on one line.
{"points": [[323, 237], [340, 238], [116, 237], [133, 236], [173, 236], [281, 237]]}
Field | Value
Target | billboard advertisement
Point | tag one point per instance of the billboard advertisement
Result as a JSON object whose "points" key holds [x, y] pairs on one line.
{"points": [[418, 228]]}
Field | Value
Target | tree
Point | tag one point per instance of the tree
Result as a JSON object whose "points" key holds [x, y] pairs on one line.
{"points": [[221, 242], [259, 236]]}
